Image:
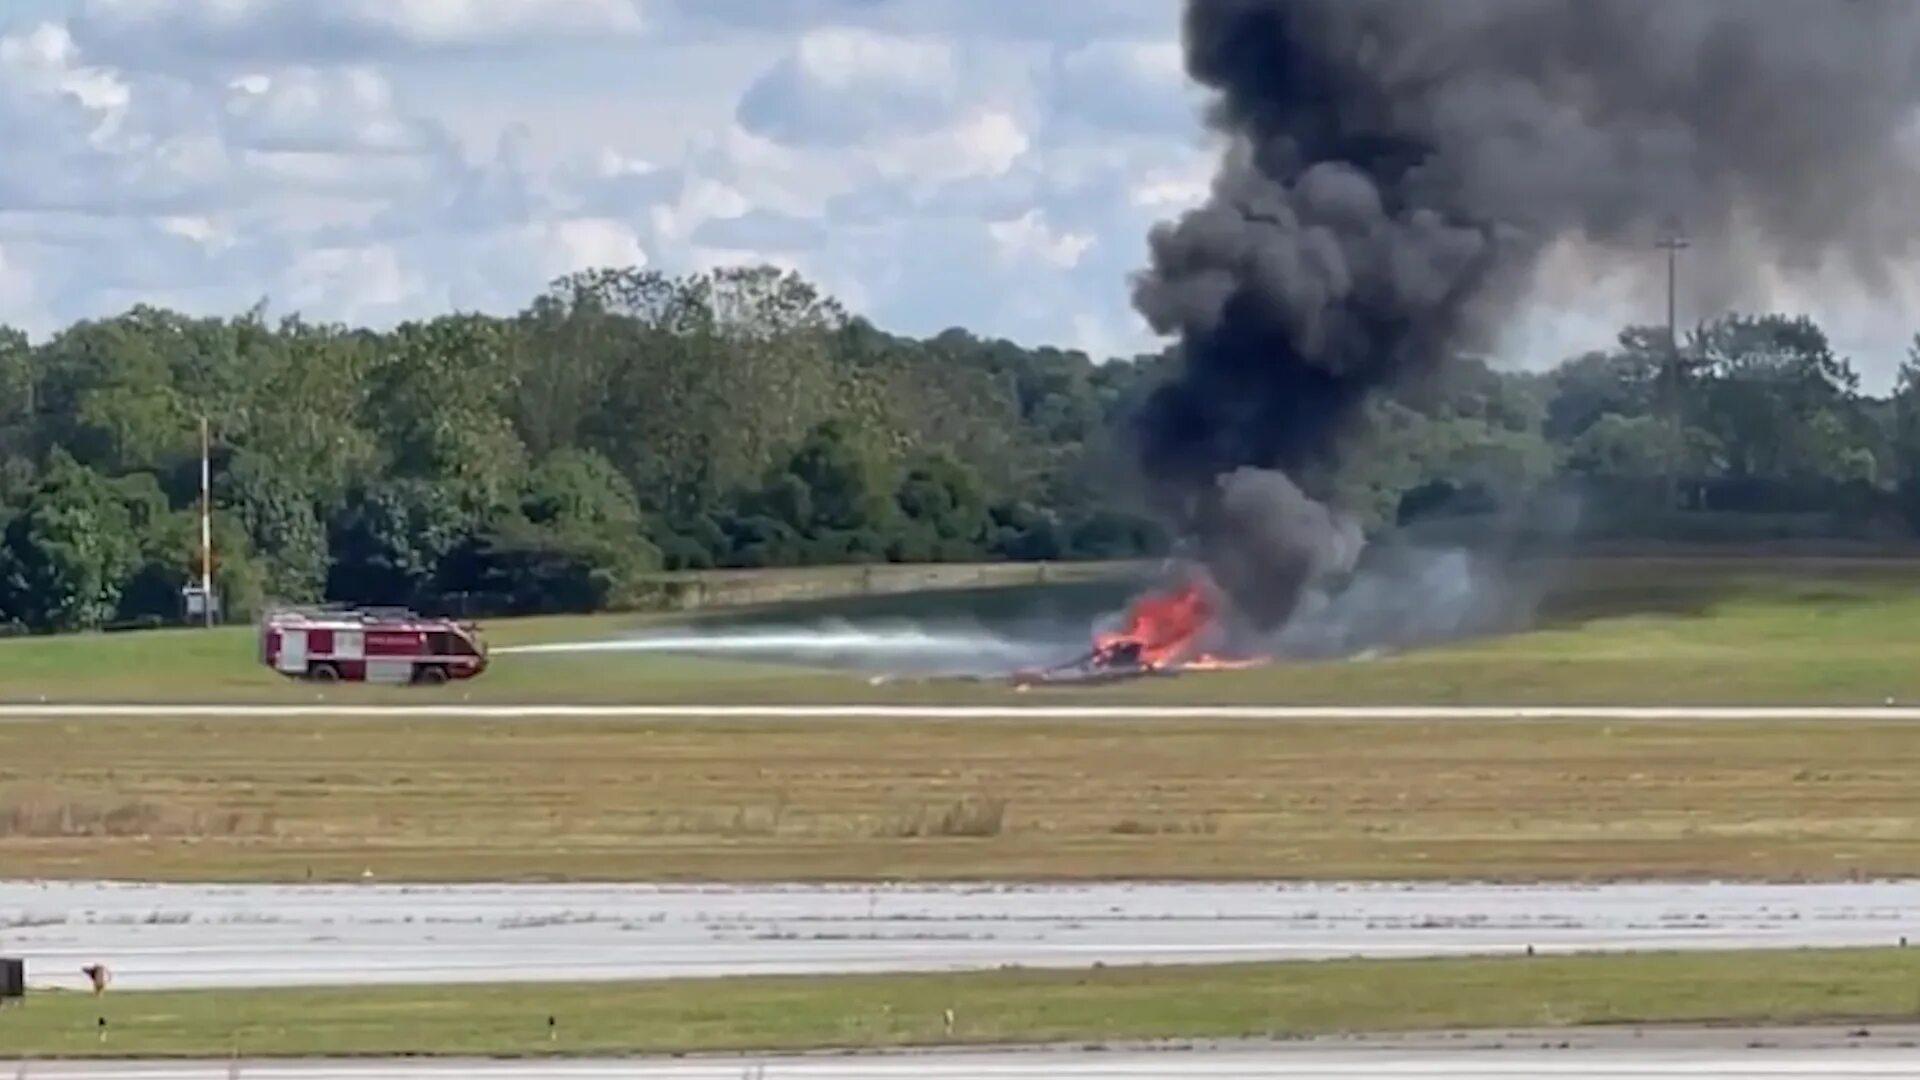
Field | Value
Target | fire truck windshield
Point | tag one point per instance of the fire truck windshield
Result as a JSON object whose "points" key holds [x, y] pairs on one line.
{"points": [[450, 643]]}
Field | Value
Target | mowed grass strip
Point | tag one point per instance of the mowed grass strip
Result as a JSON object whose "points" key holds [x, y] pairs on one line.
{"points": [[1672, 630], [766, 1014], [600, 800], [194, 664]]}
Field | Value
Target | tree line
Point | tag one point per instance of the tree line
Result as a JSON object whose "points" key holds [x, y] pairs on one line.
{"points": [[627, 422]]}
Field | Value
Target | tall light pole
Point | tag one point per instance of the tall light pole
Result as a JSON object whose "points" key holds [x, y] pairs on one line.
{"points": [[206, 525], [1673, 243]]}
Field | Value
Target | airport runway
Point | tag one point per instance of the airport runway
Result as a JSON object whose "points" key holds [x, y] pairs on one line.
{"points": [[170, 936], [23, 711]]}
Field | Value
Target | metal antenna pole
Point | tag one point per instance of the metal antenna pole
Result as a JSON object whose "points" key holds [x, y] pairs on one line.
{"points": [[1673, 244], [206, 525]]}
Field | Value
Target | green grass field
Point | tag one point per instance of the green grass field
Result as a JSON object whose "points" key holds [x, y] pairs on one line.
{"points": [[470, 798], [1651, 630], [463, 799], [198, 665], [494, 799], [329, 798], [1115, 1004]]}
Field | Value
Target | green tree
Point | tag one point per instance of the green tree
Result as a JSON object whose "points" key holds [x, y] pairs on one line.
{"points": [[69, 551], [943, 511], [1618, 446], [1625, 382], [108, 393], [579, 488], [17, 406], [1776, 399], [282, 521], [847, 483], [439, 403], [391, 539]]}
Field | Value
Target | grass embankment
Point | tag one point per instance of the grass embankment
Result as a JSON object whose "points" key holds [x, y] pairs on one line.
{"points": [[704, 590], [764, 1014], [1611, 631], [492, 799]]}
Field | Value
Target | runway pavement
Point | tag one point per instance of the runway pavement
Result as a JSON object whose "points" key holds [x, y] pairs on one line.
{"points": [[26, 711], [173, 936]]}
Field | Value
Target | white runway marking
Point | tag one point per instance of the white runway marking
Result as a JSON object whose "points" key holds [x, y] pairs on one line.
{"points": [[176, 936], [189, 711]]}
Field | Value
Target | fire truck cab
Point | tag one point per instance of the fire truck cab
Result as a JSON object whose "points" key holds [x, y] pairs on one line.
{"points": [[376, 645]]}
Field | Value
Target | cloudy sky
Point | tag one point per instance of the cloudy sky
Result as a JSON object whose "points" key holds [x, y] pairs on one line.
{"points": [[931, 162]]}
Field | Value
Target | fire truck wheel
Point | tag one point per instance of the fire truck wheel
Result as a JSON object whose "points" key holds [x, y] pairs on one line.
{"points": [[432, 675], [324, 673]]}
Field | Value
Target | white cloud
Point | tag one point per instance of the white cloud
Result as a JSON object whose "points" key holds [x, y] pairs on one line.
{"points": [[761, 172], [851, 59], [40, 68], [760, 230], [702, 258], [16, 290], [1157, 61], [841, 86], [1098, 337], [1171, 191], [299, 158], [203, 231], [1030, 237], [44, 58], [354, 283], [703, 200], [1047, 21], [320, 111], [579, 244], [981, 163], [436, 271], [984, 144], [98, 140], [452, 22], [1136, 85], [336, 29]]}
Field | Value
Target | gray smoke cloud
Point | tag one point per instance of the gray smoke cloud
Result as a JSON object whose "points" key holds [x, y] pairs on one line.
{"points": [[1399, 166], [1264, 542]]}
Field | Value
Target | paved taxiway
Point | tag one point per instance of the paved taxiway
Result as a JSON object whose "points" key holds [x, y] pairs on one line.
{"points": [[28, 711], [168, 936]]}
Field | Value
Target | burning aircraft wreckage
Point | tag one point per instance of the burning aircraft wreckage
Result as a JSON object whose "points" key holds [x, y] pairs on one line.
{"points": [[1395, 175], [1397, 172], [1265, 560], [1163, 633]]}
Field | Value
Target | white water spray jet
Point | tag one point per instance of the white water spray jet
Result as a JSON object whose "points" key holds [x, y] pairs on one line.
{"points": [[894, 647]]}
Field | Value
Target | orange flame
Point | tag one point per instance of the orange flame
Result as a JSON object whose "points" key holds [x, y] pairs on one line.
{"points": [[1162, 625], [1160, 632]]}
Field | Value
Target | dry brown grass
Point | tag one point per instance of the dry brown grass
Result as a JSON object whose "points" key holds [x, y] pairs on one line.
{"points": [[47, 817], [963, 817], [488, 799]]}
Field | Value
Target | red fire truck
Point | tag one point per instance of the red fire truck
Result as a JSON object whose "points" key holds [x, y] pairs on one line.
{"points": [[376, 645]]}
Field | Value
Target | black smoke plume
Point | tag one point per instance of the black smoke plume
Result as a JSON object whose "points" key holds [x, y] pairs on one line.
{"points": [[1398, 167]]}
